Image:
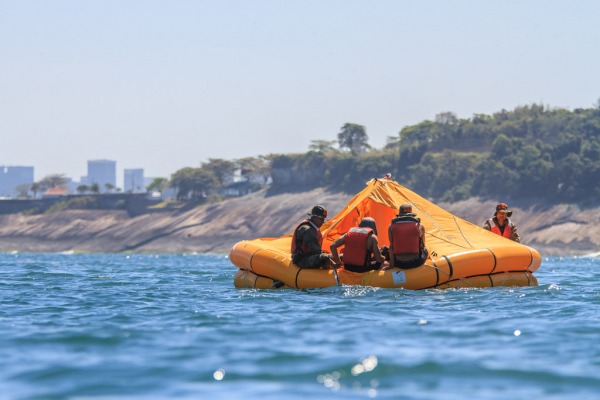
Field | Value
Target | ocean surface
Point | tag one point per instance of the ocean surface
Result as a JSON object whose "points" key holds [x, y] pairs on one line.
{"points": [[120, 326]]}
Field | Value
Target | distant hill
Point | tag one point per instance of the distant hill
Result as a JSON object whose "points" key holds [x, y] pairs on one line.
{"points": [[530, 153]]}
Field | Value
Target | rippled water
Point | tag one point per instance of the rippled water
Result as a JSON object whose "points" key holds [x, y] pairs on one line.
{"points": [[174, 326]]}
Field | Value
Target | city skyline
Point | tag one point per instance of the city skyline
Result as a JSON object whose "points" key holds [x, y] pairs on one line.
{"points": [[102, 172]]}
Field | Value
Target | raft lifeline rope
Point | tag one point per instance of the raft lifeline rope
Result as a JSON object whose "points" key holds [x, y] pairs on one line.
{"points": [[450, 276]]}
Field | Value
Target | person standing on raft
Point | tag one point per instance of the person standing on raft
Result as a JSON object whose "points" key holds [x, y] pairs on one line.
{"points": [[407, 240], [501, 224], [307, 241], [361, 246]]}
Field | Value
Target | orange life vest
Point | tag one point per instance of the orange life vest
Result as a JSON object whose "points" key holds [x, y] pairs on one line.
{"points": [[302, 247], [355, 247], [496, 229], [406, 236]]}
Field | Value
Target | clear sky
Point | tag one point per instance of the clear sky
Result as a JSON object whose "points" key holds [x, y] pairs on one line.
{"points": [[163, 85]]}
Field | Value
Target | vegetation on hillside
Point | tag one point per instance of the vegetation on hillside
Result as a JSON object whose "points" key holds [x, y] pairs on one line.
{"points": [[532, 151]]}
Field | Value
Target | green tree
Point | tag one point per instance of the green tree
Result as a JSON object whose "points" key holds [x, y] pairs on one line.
{"points": [[95, 188], [538, 179], [182, 182], [322, 146], [494, 179], [446, 118], [23, 191], [419, 135], [204, 181], [158, 185], [569, 172], [220, 169], [502, 147], [354, 138], [392, 143], [193, 183], [53, 181], [35, 188], [81, 189]]}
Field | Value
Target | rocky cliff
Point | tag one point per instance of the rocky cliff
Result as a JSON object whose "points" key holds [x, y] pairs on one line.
{"points": [[553, 230]]}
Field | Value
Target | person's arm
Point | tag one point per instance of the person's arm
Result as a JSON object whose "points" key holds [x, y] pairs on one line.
{"points": [[487, 226], [375, 249], [334, 246], [515, 235], [422, 229]]}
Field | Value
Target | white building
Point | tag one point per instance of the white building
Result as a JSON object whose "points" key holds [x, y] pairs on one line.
{"points": [[133, 180], [11, 177], [103, 173]]}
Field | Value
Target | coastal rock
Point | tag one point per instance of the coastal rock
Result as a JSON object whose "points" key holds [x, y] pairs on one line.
{"points": [[215, 228]]}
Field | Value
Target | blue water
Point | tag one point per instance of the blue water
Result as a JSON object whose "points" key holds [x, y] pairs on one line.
{"points": [[174, 326]]}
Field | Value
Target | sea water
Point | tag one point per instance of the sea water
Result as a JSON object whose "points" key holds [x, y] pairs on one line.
{"points": [[174, 327]]}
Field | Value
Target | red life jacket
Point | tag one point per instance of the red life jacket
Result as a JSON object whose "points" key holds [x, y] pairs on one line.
{"points": [[303, 248], [496, 229], [406, 236], [355, 247]]}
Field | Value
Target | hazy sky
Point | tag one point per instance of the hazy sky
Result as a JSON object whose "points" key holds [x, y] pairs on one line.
{"points": [[162, 85]]}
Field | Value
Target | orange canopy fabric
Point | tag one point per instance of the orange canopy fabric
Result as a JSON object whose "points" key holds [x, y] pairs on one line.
{"points": [[446, 234]]}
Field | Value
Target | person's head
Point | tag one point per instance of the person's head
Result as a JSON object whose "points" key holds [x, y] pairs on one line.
{"points": [[405, 210], [368, 222], [317, 215], [502, 208], [502, 213]]}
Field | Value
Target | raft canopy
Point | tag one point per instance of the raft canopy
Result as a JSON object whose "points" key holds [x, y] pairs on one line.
{"points": [[445, 233]]}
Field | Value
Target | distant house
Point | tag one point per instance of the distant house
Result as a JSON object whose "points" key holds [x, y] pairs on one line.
{"points": [[234, 177], [238, 189], [55, 192]]}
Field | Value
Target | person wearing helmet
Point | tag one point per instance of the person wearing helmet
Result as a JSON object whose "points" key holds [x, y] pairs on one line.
{"points": [[307, 241], [361, 248], [407, 239], [501, 224]]}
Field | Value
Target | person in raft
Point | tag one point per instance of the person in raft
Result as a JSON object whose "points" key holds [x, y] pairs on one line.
{"points": [[307, 241], [361, 248], [407, 240], [501, 224]]}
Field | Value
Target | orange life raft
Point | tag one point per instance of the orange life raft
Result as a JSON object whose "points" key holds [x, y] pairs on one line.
{"points": [[461, 254]]}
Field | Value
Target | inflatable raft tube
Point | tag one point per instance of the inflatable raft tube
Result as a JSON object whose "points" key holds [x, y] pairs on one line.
{"points": [[268, 265], [247, 279]]}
